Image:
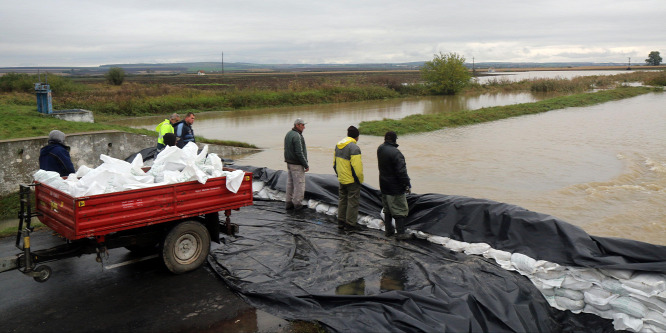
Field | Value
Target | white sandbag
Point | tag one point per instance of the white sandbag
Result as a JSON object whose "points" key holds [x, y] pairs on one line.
{"points": [[376, 224], [568, 293], [608, 314], [332, 211], [455, 245], [571, 282], [503, 258], [234, 180], [598, 297], [617, 273], [630, 306], [476, 248], [661, 296], [523, 263], [656, 319], [551, 274], [622, 321], [312, 204], [553, 283], [614, 286], [257, 186], [82, 171], [573, 305], [587, 274], [647, 328], [262, 194], [646, 284], [653, 303], [44, 176], [439, 240], [322, 208]]}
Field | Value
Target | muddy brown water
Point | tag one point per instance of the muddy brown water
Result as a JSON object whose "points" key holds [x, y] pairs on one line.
{"points": [[602, 168]]}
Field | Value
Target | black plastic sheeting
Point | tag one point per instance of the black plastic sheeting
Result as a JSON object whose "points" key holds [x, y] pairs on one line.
{"points": [[503, 226], [299, 266]]}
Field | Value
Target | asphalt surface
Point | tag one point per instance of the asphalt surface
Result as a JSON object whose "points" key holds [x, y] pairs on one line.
{"points": [[143, 296]]}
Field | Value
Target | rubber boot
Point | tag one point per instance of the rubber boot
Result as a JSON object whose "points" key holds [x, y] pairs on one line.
{"points": [[388, 225], [400, 228]]}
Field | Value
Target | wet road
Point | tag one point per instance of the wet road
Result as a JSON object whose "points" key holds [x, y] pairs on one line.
{"points": [[83, 296]]}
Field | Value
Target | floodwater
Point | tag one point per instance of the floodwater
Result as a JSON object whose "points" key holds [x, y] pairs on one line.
{"points": [[602, 168], [517, 76]]}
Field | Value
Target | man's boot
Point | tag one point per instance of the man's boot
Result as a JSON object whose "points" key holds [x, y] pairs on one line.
{"points": [[400, 228], [341, 224], [388, 225]]}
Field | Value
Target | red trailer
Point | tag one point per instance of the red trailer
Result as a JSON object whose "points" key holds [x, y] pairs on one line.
{"points": [[177, 220]]}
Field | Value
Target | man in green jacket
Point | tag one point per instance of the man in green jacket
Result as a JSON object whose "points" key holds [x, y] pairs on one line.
{"points": [[349, 168], [165, 127], [296, 156]]}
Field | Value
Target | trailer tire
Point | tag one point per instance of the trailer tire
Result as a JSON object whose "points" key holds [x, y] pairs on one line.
{"points": [[185, 247], [44, 273]]}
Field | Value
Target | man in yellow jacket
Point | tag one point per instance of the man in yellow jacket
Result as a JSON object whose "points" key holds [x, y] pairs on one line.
{"points": [[165, 127], [349, 168]]}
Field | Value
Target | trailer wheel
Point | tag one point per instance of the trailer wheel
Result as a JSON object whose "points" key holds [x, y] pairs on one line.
{"points": [[44, 273], [186, 247]]}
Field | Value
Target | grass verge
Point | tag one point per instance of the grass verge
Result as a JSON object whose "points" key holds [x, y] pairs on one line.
{"points": [[430, 122], [23, 121]]}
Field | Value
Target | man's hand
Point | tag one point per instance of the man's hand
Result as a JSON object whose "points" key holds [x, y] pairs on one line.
{"points": [[408, 189], [307, 169]]}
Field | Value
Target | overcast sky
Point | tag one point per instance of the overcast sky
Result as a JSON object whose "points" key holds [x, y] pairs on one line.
{"points": [[96, 32]]}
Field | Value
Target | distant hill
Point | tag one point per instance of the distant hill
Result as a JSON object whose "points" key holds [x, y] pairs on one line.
{"points": [[216, 67]]}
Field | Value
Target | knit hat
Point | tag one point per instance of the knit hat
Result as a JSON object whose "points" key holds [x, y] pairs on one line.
{"points": [[352, 132], [56, 135], [299, 121]]}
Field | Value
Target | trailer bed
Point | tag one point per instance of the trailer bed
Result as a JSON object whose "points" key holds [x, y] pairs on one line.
{"points": [[99, 215]]}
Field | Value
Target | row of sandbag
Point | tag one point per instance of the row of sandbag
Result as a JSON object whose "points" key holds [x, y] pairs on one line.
{"points": [[172, 165], [635, 301]]}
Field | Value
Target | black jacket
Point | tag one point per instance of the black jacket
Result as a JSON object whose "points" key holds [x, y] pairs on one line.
{"points": [[393, 178], [55, 157]]}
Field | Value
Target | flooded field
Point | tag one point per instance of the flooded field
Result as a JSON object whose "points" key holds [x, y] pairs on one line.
{"points": [[602, 167]]}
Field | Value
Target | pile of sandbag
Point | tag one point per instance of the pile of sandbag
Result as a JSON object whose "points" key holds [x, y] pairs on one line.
{"points": [[172, 165], [635, 301]]}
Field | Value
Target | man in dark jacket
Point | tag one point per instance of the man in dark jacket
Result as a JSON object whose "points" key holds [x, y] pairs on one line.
{"points": [[393, 183], [296, 156], [55, 155], [183, 130]]}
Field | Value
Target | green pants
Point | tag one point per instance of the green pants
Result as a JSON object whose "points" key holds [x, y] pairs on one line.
{"points": [[349, 195], [396, 205]]}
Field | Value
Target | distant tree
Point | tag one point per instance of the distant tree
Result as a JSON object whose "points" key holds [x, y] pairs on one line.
{"points": [[654, 59], [446, 73], [115, 76]]}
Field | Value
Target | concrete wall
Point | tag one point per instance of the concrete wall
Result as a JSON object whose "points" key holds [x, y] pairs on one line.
{"points": [[21, 156]]}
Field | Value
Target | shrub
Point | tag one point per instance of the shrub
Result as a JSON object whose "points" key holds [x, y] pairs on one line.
{"points": [[115, 76], [446, 73]]}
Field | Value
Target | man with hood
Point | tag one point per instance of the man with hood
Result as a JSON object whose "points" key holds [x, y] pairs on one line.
{"points": [[349, 168], [55, 155], [165, 127], [296, 156], [393, 183]]}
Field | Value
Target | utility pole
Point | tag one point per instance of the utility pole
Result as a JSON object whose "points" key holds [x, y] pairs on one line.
{"points": [[222, 63], [473, 68], [629, 65]]}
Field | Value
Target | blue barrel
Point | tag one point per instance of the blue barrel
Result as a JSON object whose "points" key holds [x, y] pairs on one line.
{"points": [[43, 92]]}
